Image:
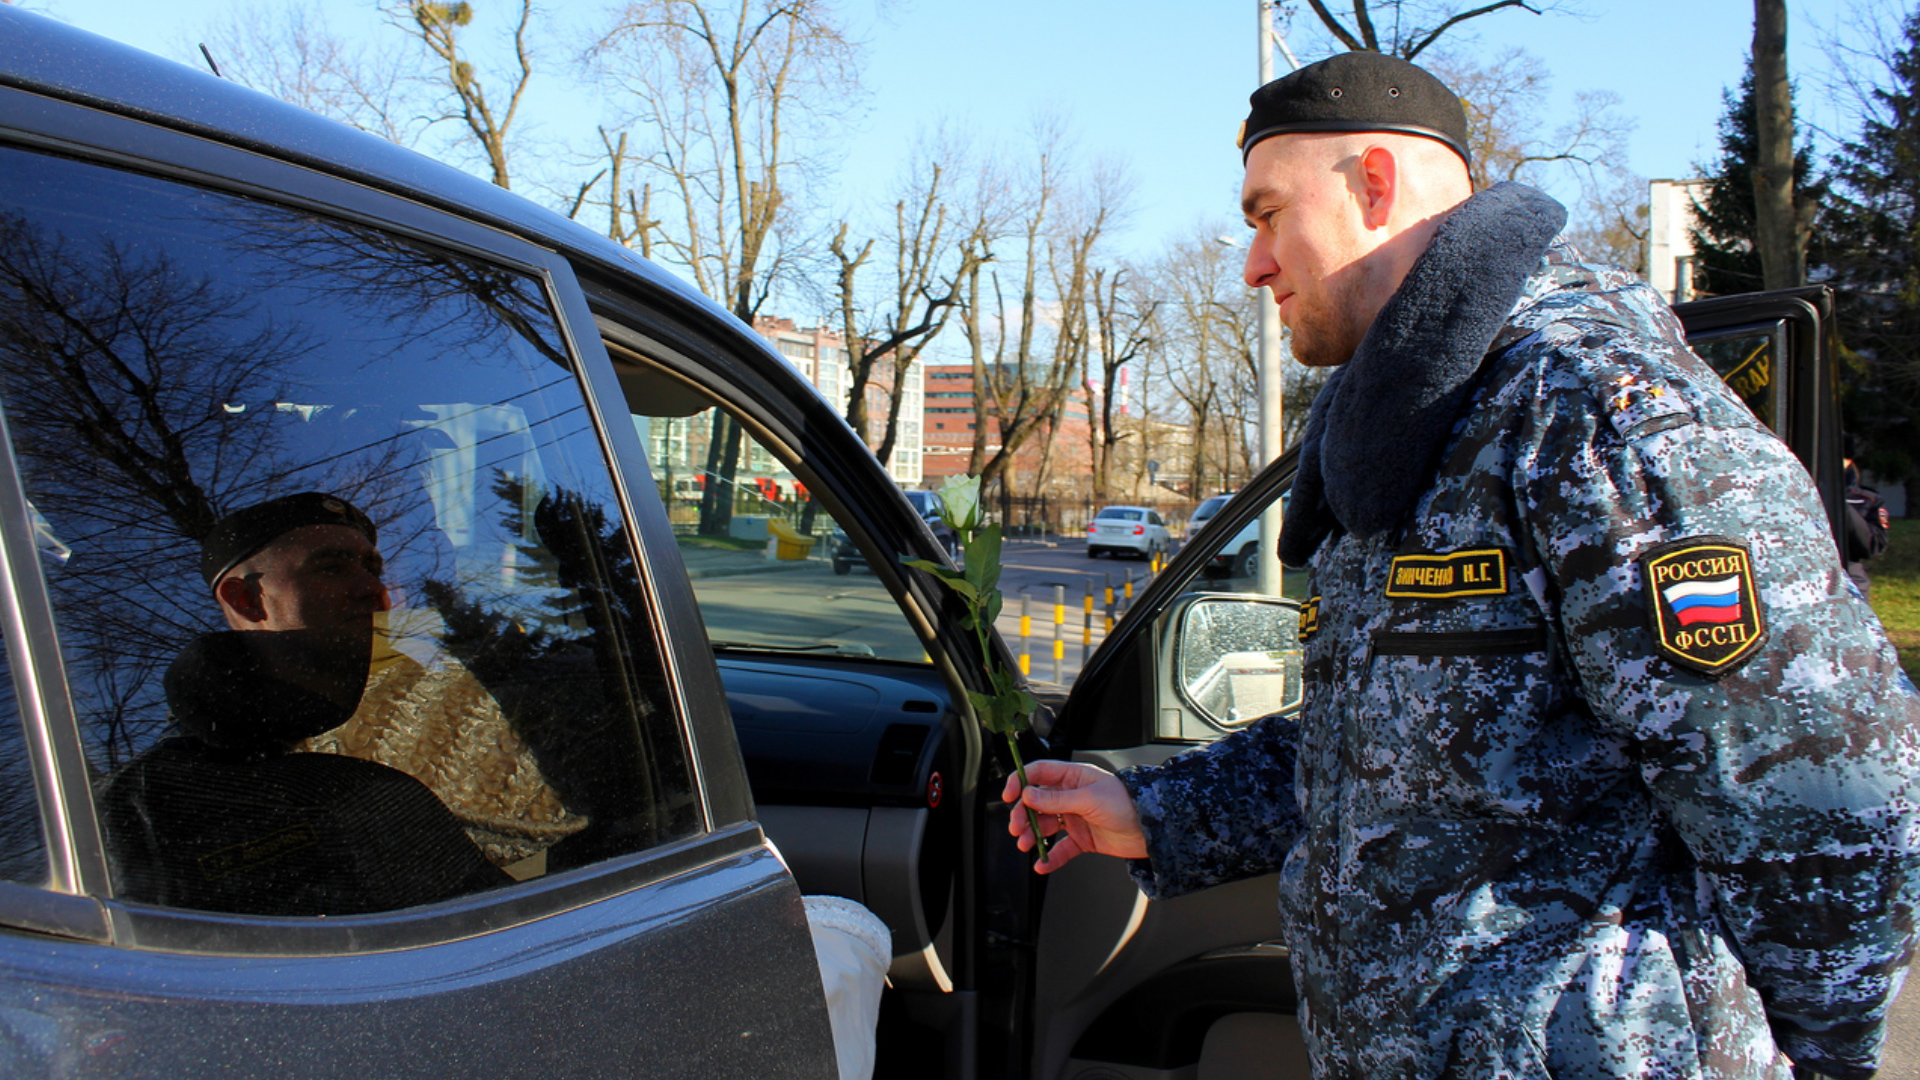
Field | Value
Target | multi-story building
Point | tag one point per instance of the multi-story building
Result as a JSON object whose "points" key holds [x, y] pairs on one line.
{"points": [[951, 419], [821, 357]]}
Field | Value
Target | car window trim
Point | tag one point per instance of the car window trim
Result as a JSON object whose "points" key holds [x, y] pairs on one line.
{"points": [[87, 135], [646, 518], [155, 928], [76, 852]]}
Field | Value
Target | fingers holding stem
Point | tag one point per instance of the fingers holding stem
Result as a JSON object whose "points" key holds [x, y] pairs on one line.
{"points": [[1033, 819]]}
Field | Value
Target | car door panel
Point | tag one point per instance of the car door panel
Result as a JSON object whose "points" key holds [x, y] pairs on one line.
{"points": [[1133, 983], [500, 1002]]}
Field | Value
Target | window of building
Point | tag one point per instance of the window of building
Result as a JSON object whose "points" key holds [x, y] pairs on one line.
{"points": [[350, 616]]}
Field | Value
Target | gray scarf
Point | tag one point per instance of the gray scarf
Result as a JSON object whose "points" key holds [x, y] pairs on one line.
{"points": [[1377, 428]]}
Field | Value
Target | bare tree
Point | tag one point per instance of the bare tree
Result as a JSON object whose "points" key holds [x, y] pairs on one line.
{"points": [[1409, 26], [1206, 328], [1123, 322], [886, 333], [440, 28], [291, 53], [725, 91], [1510, 138], [1027, 359]]}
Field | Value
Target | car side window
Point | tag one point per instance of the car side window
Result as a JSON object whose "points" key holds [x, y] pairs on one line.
{"points": [[772, 570], [1745, 358], [350, 619]]}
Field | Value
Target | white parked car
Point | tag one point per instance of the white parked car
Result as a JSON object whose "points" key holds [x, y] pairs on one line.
{"points": [[1137, 530]]}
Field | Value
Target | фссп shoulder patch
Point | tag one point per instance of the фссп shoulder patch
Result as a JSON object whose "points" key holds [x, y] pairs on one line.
{"points": [[1702, 603]]}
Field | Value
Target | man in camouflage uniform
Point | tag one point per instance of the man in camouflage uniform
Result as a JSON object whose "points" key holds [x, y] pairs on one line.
{"points": [[1602, 771]]}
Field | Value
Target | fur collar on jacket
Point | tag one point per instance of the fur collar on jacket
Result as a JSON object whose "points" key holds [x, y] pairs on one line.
{"points": [[1378, 426]]}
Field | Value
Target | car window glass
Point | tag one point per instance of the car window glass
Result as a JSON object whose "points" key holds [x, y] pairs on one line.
{"points": [[772, 569], [1746, 358], [23, 845], [350, 617]]}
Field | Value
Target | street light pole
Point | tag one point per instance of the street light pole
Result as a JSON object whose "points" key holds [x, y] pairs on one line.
{"points": [[1271, 359]]}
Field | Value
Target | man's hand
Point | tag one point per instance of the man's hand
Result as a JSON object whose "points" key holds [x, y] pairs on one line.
{"points": [[1089, 805]]}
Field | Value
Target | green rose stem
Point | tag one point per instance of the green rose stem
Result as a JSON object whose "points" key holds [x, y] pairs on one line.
{"points": [[1007, 709]]}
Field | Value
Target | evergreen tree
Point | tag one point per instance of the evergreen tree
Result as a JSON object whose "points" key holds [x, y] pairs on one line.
{"points": [[1871, 233], [1726, 261]]}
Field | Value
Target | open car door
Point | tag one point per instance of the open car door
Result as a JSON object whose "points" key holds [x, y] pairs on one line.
{"points": [[1200, 987]]}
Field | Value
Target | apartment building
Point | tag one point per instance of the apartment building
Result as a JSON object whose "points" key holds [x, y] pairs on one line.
{"points": [[821, 357]]}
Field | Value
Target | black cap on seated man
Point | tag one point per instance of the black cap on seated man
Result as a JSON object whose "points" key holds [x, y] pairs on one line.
{"points": [[300, 562]]}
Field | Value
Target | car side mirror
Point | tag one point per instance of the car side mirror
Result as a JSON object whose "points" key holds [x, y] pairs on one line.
{"points": [[1238, 658]]}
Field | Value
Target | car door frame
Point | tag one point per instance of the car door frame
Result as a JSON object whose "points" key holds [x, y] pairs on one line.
{"points": [[980, 1021], [1810, 403]]}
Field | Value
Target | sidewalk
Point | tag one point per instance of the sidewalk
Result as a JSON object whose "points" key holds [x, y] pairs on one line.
{"points": [[708, 562]]}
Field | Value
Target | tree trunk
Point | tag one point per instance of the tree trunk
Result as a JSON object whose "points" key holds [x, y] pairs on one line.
{"points": [[1783, 263]]}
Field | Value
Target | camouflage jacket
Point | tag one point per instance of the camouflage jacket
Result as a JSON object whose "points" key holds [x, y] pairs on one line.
{"points": [[1603, 770]]}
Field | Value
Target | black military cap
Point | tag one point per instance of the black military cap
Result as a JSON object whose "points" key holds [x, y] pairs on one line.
{"points": [[1357, 91], [243, 532]]}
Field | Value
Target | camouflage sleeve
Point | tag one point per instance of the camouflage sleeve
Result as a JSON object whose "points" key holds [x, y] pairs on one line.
{"points": [[1219, 813], [1788, 761]]}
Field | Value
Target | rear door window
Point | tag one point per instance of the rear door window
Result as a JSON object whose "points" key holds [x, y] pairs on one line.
{"points": [[349, 611]]}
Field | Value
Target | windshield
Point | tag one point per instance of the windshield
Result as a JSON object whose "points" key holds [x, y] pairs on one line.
{"points": [[1122, 513]]}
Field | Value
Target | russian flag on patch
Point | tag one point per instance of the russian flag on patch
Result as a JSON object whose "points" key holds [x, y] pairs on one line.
{"points": [[1694, 602]]}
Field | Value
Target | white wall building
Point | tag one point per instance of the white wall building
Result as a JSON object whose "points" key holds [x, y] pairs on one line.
{"points": [[1670, 236]]}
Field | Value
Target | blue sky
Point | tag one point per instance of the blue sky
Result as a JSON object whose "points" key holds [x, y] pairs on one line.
{"points": [[1160, 85]]}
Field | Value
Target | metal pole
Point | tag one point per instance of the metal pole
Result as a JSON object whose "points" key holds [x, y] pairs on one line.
{"points": [[1271, 366]]}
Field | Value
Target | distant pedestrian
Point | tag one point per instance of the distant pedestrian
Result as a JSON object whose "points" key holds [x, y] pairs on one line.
{"points": [[1868, 524]]}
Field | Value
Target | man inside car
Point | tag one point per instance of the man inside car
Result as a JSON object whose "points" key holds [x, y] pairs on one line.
{"points": [[1602, 770], [227, 814]]}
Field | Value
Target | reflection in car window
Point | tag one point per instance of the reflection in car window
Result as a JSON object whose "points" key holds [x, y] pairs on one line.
{"points": [[23, 845], [1745, 359], [771, 568], [490, 707]]}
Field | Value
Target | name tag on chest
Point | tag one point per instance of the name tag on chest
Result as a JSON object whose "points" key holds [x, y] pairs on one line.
{"points": [[1482, 572]]}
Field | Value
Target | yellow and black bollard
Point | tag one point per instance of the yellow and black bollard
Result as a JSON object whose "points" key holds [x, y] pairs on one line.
{"points": [[1059, 628], [1026, 635]]}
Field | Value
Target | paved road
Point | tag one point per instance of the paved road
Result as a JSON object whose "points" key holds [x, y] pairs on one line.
{"points": [[1031, 569]]}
